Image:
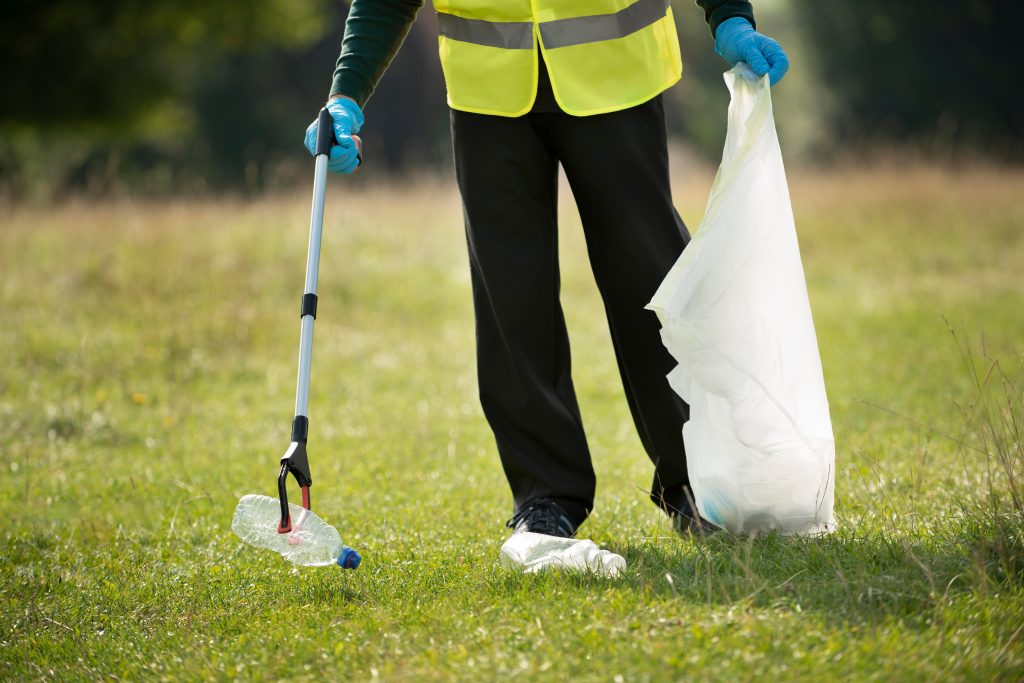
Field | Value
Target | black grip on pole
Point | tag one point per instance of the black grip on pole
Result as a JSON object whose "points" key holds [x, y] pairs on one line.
{"points": [[324, 132], [308, 305], [300, 428]]}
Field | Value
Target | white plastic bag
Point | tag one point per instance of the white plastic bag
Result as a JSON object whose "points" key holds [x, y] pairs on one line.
{"points": [[735, 315], [535, 552]]}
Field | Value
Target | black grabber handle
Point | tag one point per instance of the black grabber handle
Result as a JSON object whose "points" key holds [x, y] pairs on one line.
{"points": [[324, 141], [324, 132]]}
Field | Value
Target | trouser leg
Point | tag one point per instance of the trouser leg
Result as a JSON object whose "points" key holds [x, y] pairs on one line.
{"points": [[617, 166], [507, 174]]}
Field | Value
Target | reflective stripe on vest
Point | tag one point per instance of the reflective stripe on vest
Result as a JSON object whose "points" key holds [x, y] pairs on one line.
{"points": [[518, 35], [598, 60], [510, 35], [580, 30]]}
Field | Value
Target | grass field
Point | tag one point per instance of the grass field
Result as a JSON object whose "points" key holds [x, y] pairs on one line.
{"points": [[147, 383]]}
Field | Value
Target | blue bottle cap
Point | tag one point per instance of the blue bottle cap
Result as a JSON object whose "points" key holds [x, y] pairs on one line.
{"points": [[349, 558]]}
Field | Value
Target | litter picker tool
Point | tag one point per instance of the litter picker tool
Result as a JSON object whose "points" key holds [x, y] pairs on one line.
{"points": [[296, 532]]}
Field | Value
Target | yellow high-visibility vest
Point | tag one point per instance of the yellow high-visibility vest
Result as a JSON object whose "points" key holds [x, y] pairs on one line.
{"points": [[602, 55]]}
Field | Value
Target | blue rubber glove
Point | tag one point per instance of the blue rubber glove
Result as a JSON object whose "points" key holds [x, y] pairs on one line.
{"points": [[348, 119], [737, 41]]}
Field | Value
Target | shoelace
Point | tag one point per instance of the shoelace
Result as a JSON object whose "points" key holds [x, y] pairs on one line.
{"points": [[542, 516]]}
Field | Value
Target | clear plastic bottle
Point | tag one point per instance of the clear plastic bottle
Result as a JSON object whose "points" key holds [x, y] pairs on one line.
{"points": [[311, 542]]}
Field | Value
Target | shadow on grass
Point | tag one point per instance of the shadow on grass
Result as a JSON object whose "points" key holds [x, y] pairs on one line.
{"points": [[323, 590], [861, 578]]}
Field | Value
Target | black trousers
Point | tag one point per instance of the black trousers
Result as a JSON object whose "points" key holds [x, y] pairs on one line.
{"points": [[617, 167]]}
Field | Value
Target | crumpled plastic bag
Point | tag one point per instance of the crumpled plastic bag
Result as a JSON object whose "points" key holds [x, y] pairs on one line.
{"points": [[535, 552], [736, 317]]}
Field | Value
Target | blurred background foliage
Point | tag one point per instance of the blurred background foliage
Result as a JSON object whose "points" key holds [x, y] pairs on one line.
{"points": [[190, 96]]}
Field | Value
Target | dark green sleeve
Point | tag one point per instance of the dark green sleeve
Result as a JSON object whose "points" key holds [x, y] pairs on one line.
{"points": [[374, 31], [717, 11]]}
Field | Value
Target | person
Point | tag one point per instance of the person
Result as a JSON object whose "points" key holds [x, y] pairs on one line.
{"points": [[533, 84]]}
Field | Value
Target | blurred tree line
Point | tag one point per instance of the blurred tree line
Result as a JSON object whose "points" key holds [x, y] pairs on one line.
{"points": [[935, 75], [193, 96]]}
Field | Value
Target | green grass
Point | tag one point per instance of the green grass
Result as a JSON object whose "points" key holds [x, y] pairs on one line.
{"points": [[147, 383]]}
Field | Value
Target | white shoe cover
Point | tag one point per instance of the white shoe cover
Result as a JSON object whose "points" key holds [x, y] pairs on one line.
{"points": [[533, 552]]}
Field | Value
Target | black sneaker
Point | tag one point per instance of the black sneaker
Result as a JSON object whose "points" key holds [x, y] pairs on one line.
{"points": [[686, 520], [695, 525], [542, 516]]}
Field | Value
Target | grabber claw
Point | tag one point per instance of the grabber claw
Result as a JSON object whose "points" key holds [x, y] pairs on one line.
{"points": [[295, 461]]}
